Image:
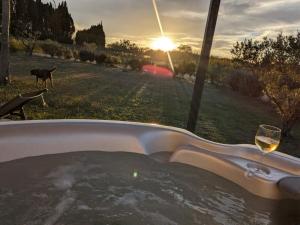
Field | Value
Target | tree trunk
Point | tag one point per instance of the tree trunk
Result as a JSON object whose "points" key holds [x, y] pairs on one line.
{"points": [[4, 55], [287, 128]]}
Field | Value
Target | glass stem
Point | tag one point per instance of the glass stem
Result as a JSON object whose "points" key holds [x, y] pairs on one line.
{"points": [[261, 161], [262, 158]]}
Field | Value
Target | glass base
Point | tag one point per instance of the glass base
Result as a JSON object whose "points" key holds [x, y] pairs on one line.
{"points": [[258, 170]]}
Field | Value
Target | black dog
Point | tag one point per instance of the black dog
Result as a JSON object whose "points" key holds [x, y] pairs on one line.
{"points": [[44, 75]]}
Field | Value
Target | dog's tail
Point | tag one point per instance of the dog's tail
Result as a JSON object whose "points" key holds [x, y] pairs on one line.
{"points": [[52, 70]]}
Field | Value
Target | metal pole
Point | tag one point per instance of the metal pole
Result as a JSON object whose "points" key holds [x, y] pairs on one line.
{"points": [[203, 63]]}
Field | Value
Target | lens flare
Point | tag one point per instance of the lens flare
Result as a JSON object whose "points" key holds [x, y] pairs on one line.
{"points": [[163, 43], [162, 31]]}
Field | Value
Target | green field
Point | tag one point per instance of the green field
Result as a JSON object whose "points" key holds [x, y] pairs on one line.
{"points": [[83, 90]]}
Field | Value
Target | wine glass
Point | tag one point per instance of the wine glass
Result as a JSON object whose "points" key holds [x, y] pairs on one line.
{"points": [[267, 140]]}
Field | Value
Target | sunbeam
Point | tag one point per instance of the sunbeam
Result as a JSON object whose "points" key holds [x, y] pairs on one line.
{"points": [[162, 31]]}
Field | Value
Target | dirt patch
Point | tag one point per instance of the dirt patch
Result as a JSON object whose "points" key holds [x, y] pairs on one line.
{"points": [[84, 75]]}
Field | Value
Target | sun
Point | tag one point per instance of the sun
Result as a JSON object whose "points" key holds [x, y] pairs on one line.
{"points": [[163, 43]]}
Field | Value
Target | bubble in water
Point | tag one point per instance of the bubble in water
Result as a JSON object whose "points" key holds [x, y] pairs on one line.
{"points": [[135, 174]]}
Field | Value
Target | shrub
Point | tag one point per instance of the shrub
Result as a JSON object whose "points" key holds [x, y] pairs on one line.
{"points": [[245, 83], [86, 55], [186, 68], [233, 81], [75, 53], [92, 47], [116, 59], [59, 52], [15, 45], [51, 48], [100, 59], [68, 53], [217, 73], [111, 60], [135, 64]]}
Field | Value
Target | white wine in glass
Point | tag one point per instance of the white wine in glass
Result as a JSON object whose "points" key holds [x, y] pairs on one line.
{"points": [[266, 144], [267, 140]]}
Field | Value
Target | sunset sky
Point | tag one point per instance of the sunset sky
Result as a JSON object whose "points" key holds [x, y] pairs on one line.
{"points": [[184, 20]]}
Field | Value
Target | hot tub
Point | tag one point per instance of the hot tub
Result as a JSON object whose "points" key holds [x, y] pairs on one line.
{"points": [[30, 149]]}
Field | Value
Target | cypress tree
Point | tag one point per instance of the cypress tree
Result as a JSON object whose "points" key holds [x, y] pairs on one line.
{"points": [[52, 23], [95, 34]]}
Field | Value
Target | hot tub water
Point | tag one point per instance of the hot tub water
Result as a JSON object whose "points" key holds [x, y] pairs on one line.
{"points": [[120, 188]]}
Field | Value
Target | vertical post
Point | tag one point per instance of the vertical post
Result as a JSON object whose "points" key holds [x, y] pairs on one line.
{"points": [[203, 63]]}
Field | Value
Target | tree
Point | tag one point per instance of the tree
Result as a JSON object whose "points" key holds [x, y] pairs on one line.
{"points": [[49, 21], [124, 46], [95, 34], [284, 92], [185, 49], [4, 55], [276, 63], [28, 37], [62, 24]]}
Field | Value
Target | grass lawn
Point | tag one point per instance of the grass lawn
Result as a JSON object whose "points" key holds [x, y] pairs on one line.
{"points": [[83, 90]]}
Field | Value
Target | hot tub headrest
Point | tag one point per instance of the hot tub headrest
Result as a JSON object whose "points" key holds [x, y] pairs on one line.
{"points": [[290, 186]]}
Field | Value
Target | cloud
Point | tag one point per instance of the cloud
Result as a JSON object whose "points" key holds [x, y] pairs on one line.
{"points": [[183, 14], [184, 20]]}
